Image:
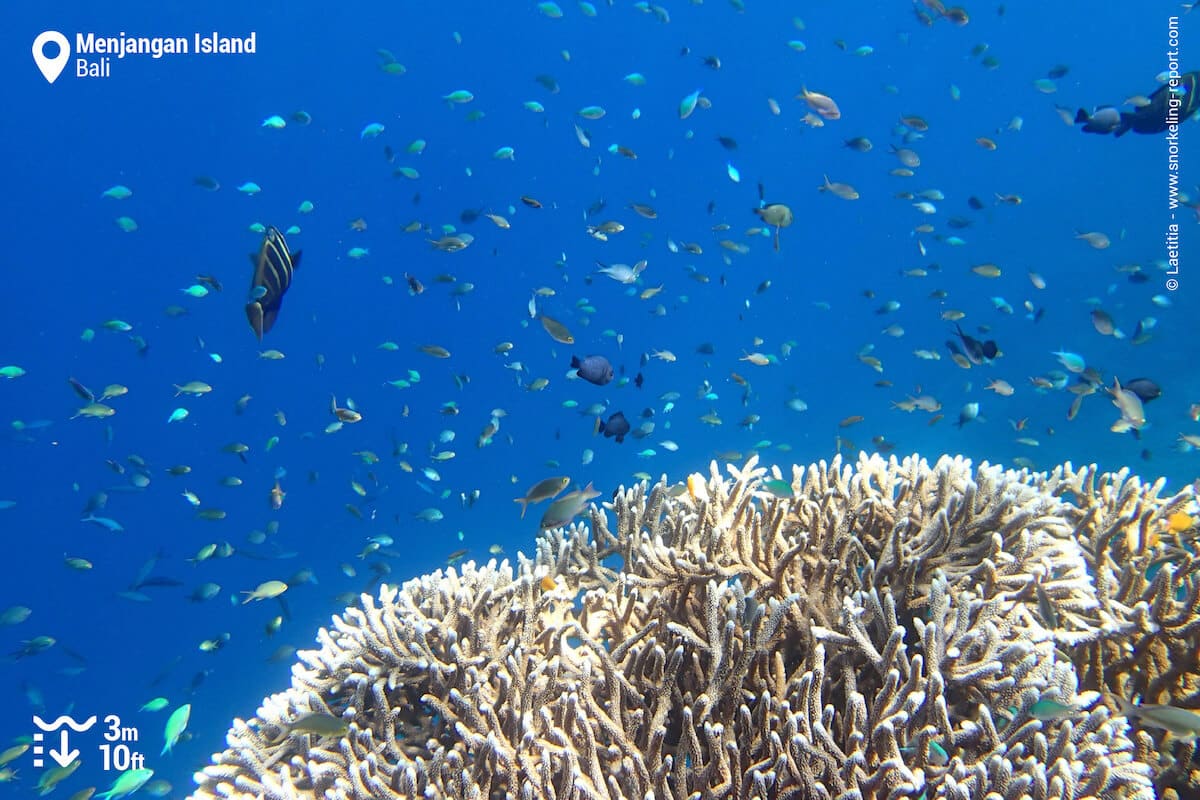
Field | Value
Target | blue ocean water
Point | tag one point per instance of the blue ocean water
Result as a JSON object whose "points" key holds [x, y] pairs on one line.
{"points": [[156, 124]]}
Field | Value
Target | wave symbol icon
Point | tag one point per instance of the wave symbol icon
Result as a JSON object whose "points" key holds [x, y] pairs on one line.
{"points": [[65, 720]]}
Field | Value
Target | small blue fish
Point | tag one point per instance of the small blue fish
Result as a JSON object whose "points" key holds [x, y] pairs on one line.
{"points": [[1182, 723], [938, 756], [779, 488], [1047, 710], [1072, 361], [372, 130], [104, 522], [688, 104], [175, 727], [127, 783]]}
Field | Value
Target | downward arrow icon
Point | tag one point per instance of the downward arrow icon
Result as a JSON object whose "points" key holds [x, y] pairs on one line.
{"points": [[63, 756]]}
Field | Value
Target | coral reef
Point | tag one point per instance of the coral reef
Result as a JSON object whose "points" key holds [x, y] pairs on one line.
{"points": [[889, 629], [1146, 575]]}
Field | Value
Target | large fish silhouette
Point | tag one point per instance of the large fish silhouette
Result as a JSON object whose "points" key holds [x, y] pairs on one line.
{"points": [[1154, 117], [273, 268]]}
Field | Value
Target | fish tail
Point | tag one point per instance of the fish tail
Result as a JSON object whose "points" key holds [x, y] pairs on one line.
{"points": [[524, 505], [1081, 116], [1125, 708]]}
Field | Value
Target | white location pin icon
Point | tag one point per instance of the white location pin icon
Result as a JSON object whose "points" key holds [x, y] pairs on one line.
{"points": [[51, 67]]}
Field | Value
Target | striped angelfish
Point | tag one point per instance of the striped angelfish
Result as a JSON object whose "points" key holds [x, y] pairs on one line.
{"points": [[273, 268]]}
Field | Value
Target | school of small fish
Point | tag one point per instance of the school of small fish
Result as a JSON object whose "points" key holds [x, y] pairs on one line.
{"points": [[619, 330]]}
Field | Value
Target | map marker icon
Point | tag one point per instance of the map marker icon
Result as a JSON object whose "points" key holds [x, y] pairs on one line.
{"points": [[51, 67]]}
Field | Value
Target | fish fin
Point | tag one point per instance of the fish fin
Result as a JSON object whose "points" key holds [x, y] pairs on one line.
{"points": [[575, 363], [254, 313], [1081, 116], [269, 318], [524, 505], [296, 259], [620, 438]]}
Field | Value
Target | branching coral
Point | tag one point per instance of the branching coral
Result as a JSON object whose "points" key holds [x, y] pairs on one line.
{"points": [[887, 630], [1147, 581]]}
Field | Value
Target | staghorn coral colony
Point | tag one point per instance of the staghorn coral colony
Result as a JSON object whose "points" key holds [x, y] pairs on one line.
{"points": [[882, 630]]}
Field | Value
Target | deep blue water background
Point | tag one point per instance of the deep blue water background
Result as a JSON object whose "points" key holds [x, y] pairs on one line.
{"points": [[155, 124]]}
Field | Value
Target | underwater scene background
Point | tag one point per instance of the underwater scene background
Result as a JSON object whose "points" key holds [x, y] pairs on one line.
{"points": [[122, 190]]}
